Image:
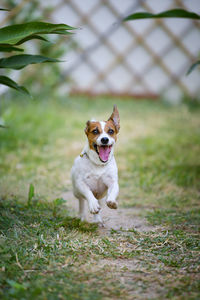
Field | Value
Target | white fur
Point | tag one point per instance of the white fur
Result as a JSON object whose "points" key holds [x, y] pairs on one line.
{"points": [[92, 179], [104, 134]]}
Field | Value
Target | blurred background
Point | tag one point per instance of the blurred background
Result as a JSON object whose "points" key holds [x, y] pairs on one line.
{"points": [[144, 58], [104, 62]]}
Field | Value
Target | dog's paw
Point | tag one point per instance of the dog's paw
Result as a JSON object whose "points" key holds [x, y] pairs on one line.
{"points": [[101, 225], [97, 218], [112, 204], [94, 207]]}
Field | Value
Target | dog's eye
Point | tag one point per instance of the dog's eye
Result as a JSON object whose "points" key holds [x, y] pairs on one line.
{"points": [[110, 131], [95, 131]]}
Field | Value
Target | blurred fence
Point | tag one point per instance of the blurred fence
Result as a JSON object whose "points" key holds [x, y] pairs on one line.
{"points": [[142, 58]]}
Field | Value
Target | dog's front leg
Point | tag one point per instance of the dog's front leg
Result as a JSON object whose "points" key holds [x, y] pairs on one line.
{"points": [[113, 191], [93, 203]]}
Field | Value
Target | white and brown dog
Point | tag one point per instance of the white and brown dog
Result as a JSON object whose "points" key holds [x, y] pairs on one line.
{"points": [[94, 173]]}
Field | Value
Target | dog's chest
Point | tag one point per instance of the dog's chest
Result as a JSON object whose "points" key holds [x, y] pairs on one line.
{"points": [[96, 182]]}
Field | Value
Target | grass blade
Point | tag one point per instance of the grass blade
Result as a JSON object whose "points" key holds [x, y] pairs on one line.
{"points": [[31, 193]]}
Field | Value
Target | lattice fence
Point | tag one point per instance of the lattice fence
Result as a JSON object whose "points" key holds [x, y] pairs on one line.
{"points": [[144, 57]]}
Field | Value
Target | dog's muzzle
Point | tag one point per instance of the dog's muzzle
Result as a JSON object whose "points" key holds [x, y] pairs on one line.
{"points": [[103, 151]]}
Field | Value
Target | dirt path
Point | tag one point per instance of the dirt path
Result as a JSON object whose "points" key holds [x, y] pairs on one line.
{"points": [[121, 218], [128, 271]]}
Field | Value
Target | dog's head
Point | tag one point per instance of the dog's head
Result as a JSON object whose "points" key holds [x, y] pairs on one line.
{"points": [[102, 137]]}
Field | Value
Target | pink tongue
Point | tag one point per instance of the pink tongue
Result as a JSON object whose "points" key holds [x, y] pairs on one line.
{"points": [[104, 152]]}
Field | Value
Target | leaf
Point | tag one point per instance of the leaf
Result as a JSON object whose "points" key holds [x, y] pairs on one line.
{"points": [[4, 9], [192, 67], [12, 84], [18, 62], [173, 13], [61, 32], [2, 125], [8, 48], [16, 285], [58, 201], [31, 37], [31, 193], [14, 33]]}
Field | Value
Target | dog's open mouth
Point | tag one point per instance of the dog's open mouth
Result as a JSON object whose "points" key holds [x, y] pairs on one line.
{"points": [[103, 151]]}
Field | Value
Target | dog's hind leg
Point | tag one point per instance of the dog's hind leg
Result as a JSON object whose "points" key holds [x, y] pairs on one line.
{"points": [[82, 209]]}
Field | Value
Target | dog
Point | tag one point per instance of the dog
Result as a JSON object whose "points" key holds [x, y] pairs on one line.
{"points": [[94, 173]]}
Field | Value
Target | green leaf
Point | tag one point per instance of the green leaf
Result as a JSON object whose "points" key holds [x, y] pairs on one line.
{"points": [[8, 48], [2, 124], [31, 37], [61, 32], [58, 201], [12, 84], [14, 33], [20, 61], [16, 285], [173, 13], [31, 193], [193, 66], [4, 9]]}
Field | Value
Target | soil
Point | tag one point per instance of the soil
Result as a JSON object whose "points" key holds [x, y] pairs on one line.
{"points": [[121, 218], [126, 271]]}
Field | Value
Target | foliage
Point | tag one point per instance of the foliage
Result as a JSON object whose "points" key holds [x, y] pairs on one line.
{"points": [[11, 83], [193, 67], [13, 36], [18, 62], [173, 13]]}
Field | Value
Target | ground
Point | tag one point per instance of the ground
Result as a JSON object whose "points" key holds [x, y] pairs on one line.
{"points": [[149, 248]]}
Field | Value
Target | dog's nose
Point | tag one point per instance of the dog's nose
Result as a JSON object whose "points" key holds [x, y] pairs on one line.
{"points": [[104, 140]]}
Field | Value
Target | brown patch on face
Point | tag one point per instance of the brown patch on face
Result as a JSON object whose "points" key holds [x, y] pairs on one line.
{"points": [[111, 130], [92, 130]]}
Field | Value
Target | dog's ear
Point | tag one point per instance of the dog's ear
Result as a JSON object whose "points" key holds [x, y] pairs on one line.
{"points": [[115, 118], [87, 128]]}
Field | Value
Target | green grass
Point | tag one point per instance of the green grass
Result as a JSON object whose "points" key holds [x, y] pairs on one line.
{"points": [[48, 254]]}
